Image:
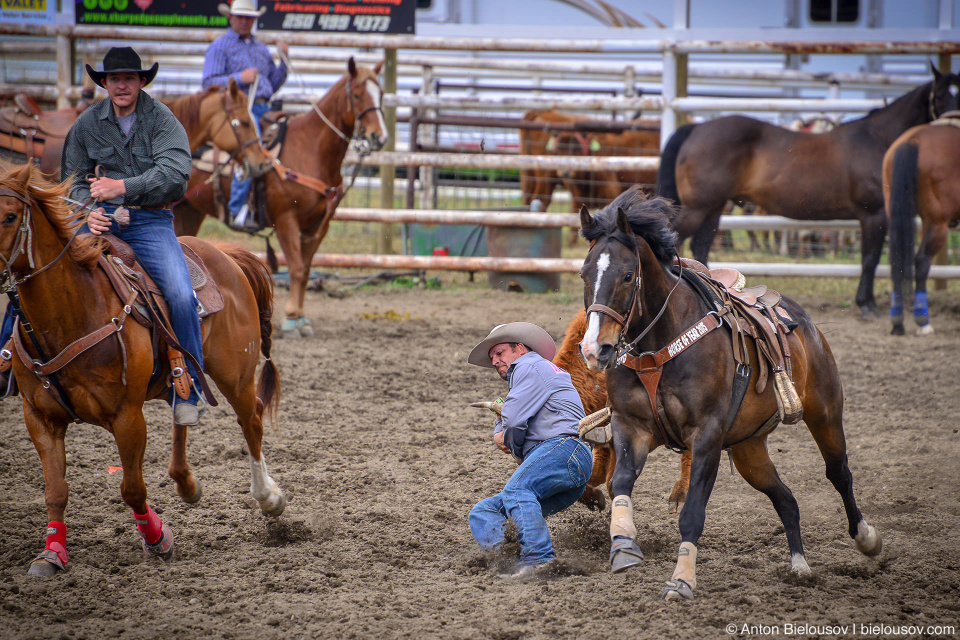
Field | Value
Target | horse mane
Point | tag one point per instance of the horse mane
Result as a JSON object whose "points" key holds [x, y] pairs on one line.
{"points": [[649, 218], [187, 108], [45, 196]]}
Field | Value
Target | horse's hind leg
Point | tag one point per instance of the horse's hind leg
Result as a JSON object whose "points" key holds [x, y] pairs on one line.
{"points": [[833, 448], [934, 238], [249, 410], [188, 487], [754, 464]]}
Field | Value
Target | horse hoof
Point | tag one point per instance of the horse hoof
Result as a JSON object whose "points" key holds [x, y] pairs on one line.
{"points": [[897, 330], [195, 498], [46, 565], [867, 314], [925, 330], [304, 327], [624, 553], [162, 548], [799, 567], [869, 542], [677, 590], [274, 505]]}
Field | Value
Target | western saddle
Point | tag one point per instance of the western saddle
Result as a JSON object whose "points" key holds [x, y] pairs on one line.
{"points": [[38, 135]]}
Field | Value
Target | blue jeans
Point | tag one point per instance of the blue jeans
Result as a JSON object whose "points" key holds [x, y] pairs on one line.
{"points": [[240, 189], [150, 234], [7, 329], [551, 478]]}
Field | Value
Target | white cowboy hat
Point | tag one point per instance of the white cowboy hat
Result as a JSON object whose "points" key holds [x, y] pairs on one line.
{"points": [[529, 334], [241, 8]]}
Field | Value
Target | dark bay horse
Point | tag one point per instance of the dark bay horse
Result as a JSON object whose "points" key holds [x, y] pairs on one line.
{"points": [[66, 298], [632, 295], [921, 176], [826, 176], [301, 213]]}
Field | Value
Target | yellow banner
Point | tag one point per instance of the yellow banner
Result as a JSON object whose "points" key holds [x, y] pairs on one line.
{"points": [[24, 5]]}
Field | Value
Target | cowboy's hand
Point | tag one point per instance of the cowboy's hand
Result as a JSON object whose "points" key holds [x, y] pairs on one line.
{"points": [[247, 76], [98, 222], [498, 440], [282, 46], [106, 188]]}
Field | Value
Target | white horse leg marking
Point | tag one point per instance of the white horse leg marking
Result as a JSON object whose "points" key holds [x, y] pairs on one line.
{"points": [[264, 489], [589, 345], [868, 540], [377, 98], [798, 565]]}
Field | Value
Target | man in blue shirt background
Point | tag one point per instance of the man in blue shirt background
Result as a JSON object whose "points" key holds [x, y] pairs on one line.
{"points": [[538, 426], [239, 55]]}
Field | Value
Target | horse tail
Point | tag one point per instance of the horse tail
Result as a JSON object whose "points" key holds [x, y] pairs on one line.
{"points": [[268, 384], [667, 175], [903, 211]]}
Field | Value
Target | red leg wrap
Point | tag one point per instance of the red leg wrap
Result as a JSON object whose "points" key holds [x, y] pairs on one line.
{"points": [[57, 540], [149, 525]]}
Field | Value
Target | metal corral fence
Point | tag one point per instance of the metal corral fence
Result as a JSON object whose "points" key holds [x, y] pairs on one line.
{"points": [[426, 107]]}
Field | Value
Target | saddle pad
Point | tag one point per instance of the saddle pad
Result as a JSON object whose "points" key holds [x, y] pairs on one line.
{"points": [[203, 160]]}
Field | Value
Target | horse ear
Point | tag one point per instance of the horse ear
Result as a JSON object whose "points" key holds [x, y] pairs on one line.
{"points": [[586, 221], [234, 89], [377, 67], [352, 67], [936, 72], [622, 223]]}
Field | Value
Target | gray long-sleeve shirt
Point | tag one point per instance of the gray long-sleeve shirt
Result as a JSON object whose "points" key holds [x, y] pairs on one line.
{"points": [[153, 161], [542, 403]]}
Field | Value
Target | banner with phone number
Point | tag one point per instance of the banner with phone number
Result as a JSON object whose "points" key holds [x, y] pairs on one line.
{"points": [[150, 13], [340, 16]]}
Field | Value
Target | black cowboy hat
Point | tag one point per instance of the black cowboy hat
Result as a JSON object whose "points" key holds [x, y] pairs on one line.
{"points": [[122, 60]]}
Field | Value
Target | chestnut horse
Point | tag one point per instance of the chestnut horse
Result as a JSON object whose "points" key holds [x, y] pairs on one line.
{"points": [[921, 176], [592, 387], [66, 298], [636, 304], [807, 176], [301, 214]]}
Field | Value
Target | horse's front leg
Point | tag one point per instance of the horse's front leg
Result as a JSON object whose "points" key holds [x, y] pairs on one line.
{"points": [[631, 447], [130, 432], [48, 439], [704, 462], [288, 234], [873, 229]]}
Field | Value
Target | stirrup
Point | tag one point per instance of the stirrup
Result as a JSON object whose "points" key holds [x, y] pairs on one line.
{"points": [[788, 402]]}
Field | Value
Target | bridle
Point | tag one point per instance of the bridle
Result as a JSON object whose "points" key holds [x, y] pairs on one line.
{"points": [[23, 243], [231, 107], [634, 310]]}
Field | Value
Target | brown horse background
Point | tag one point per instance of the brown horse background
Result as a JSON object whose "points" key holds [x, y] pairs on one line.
{"points": [[632, 295], [591, 188], [827, 176], [67, 297], [301, 214], [921, 176]]}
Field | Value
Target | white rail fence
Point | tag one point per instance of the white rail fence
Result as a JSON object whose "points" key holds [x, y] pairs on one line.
{"points": [[560, 265]]}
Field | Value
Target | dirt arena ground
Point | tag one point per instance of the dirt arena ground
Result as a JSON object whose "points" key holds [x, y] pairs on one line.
{"points": [[381, 459]]}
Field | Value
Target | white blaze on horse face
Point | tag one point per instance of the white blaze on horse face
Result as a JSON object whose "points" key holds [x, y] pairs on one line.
{"points": [[377, 96], [589, 345]]}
